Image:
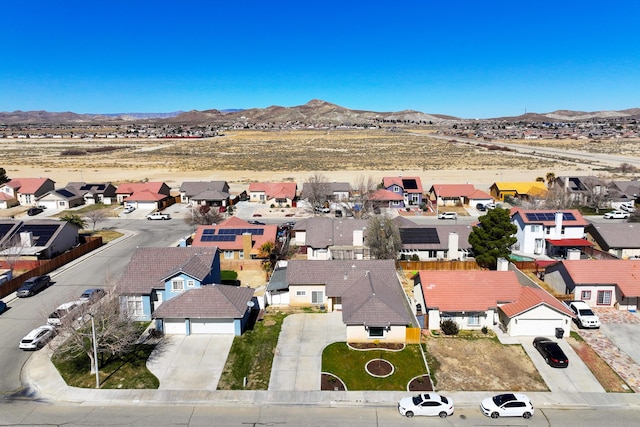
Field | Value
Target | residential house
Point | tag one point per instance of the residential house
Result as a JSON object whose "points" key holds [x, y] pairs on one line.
{"points": [[155, 275], [519, 190], [280, 194], [458, 195], [143, 195], [102, 192], [625, 192], [600, 283], [236, 238], [210, 309], [205, 193], [368, 293], [61, 198], [579, 188], [621, 240], [331, 191], [37, 239], [24, 191], [323, 238], [549, 232], [433, 242], [410, 187], [385, 199]]}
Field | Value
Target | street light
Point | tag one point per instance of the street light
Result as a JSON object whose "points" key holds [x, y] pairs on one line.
{"points": [[95, 350]]}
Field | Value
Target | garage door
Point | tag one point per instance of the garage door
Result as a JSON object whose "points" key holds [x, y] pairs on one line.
{"points": [[175, 326], [535, 327], [212, 326]]}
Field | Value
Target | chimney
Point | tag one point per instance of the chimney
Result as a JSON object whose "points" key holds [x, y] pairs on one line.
{"points": [[573, 254], [358, 237], [454, 252], [503, 265], [26, 239], [558, 225]]}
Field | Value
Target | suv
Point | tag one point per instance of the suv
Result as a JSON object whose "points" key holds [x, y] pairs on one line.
{"points": [[585, 317], [55, 318], [35, 211], [448, 215], [32, 286]]}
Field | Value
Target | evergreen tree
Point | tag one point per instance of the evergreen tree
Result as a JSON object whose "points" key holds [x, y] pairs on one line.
{"points": [[3, 176], [493, 237]]}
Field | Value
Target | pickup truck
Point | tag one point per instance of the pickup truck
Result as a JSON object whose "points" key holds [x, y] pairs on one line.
{"points": [[585, 317], [158, 215]]}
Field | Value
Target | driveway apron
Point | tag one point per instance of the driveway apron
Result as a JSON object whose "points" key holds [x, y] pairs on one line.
{"points": [[193, 362], [297, 363]]}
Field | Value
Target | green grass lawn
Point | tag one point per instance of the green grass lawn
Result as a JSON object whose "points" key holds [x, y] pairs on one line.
{"points": [[251, 356], [349, 365]]}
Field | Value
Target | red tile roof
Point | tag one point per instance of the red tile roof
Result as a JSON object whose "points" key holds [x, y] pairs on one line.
{"points": [[385, 195], [269, 234], [579, 219], [623, 273], [477, 290], [27, 185], [531, 298], [280, 190], [133, 187], [454, 190]]}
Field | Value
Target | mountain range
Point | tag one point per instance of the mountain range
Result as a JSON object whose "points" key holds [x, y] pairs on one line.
{"points": [[315, 111]]}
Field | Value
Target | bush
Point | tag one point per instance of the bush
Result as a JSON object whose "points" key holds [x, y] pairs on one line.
{"points": [[485, 330], [415, 257], [449, 327]]}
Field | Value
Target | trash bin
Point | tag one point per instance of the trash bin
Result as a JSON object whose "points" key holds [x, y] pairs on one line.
{"points": [[559, 333]]}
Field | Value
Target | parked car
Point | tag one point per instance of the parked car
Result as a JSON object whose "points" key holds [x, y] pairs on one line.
{"points": [[37, 338], [322, 209], [34, 211], [616, 215], [429, 404], [92, 295], [3, 307], [63, 310], [338, 213], [627, 207], [551, 352], [158, 216], [490, 205], [481, 207], [254, 222], [32, 286], [128, 209], [585, 317], [507, 405], [448, 215]]}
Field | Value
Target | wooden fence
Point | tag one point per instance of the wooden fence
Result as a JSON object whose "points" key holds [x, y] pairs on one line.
{"points": [[439, 265], [413, 335], [46, 266]]}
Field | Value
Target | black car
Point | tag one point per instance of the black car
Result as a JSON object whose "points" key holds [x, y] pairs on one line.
{"points": [[551, 352], [32, 286], [34, 211]]}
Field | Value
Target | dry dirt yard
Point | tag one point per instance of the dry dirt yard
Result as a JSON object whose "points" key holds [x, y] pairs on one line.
{"points": [[482, 364]]}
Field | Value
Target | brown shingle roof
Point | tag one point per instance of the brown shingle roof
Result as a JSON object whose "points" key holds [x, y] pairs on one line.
{"points": [[211, 301]]}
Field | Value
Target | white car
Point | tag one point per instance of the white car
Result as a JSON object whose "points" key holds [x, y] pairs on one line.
{"points": [[507, 405], [627, 207], [129, 209], [429, 404], [64, 310], [37, 338], [616, 215], [448, 215]]}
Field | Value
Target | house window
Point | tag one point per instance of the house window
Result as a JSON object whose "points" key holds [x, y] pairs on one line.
{"points": [[228, 254], [301, 293], [535, 228], [177, 285], [134, 306], [604, 298], [473, 320], [396, 189], [241, 254], [585, 295], [61, 203], [190, 283], [317, 297], [376, 332]]}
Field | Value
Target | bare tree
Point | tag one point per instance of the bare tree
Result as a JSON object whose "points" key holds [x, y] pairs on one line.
{"points": [[383, 237], [362, 188], [558, 198], [95, 216], [115, 332], [317, 190], [11, 250], [203, 215], [599, 192]]}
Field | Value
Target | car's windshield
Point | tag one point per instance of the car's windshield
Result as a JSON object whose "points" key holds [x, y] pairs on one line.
{"points": [[500, 399], [586, 312], [417, 400]]}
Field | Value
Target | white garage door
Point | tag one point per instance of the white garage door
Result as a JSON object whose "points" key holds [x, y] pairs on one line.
{"points": [[212, 326], [175, 326], [536, 327]]}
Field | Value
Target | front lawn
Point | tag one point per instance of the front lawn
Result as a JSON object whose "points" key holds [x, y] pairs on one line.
{"points": [[349, 365]]}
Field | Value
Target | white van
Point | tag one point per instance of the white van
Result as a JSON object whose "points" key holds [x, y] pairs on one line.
{"points": [[64, 310]]}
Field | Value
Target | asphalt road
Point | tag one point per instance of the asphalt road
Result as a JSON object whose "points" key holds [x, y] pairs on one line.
{"points": [[99, 269]]}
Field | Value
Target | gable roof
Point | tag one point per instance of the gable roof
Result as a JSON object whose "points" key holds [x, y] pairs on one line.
{"points": [[133, 187], [410, 184], [374, 302], [106, 189], [431, 237], [531, 298], [453, 190], [191, 188], [624, 235], [533, 188], [278, 190], [547, 217], [338, 275], [623, 273], [211, 301], [260, 234], [322, 232], [150, 266], [383, 195], [27, 185], [476, 290], [146, 195]]}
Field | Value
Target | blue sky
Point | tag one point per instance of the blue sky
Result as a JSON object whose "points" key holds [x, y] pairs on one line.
{"points": [[471, 59]]}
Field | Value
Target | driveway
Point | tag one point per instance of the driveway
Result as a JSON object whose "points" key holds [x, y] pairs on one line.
{"points": [[193, 362], [575, 378], [297, 363]]}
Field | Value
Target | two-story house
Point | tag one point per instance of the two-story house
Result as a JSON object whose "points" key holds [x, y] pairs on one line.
{"points": [[24, 191], [323, 238], [410, 187]]}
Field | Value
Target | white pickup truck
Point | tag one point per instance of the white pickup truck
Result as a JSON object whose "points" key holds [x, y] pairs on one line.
{"points": [[158, 215], [585, 317]]}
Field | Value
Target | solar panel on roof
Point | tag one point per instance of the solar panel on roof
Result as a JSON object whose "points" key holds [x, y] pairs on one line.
{"points": [[239, 231], [4, 229], [65, 193], [217, 238], [208, 231], [41, 232], [548, 216], [568, 216], [419, 236], [409, 184]]}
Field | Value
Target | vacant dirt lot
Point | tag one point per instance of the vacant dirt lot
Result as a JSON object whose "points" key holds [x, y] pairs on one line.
{"points": [[482, 364]]}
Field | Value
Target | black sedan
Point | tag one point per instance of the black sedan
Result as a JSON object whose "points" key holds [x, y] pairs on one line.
{"points": [[551, 352]]}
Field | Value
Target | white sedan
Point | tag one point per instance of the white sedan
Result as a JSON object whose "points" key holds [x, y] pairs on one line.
{"points": [[616, 215], [507, 405], [448, 215], [430, 404], [37, 338]]}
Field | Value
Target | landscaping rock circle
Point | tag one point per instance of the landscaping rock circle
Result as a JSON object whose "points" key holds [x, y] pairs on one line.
{"points": [[379, 368], [330, 382]]}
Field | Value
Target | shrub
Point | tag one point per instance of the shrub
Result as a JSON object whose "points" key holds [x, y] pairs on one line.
{"points": [[415, 257], [449, 327], [485, 330]]}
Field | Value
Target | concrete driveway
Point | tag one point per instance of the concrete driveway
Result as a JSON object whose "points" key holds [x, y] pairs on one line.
{"points": [[298, 360], [193, 362], [575, 378]]}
